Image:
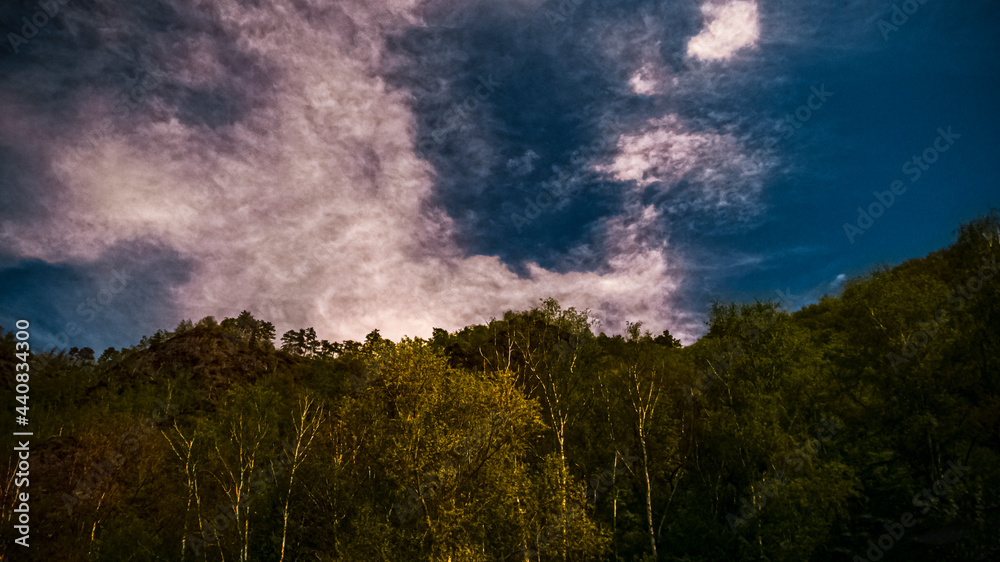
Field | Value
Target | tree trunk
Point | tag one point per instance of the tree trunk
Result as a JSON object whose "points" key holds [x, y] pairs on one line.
{"points": [[649, 493], [306, 427]]}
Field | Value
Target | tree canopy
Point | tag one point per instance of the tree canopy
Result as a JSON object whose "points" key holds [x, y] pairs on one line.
{"points": [[866, 425]]}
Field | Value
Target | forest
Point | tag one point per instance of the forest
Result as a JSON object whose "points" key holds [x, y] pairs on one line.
{"points": [[863, 427]]}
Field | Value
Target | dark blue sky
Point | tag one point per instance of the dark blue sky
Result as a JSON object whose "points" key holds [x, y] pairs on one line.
{"points": [[400, 166]]}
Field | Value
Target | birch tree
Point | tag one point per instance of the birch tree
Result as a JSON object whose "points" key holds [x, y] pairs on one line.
{"points": [[306, 422]]}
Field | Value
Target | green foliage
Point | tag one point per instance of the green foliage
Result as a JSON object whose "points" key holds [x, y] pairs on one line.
{"points": [[776, 436]]}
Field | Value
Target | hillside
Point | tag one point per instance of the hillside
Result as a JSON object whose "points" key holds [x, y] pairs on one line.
{"points": [[864, 426]]}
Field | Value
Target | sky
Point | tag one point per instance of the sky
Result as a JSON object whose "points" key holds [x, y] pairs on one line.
{"points": [[410, 164]]}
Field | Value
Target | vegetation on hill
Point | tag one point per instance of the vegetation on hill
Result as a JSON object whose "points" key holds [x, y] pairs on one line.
{"points": [[861, 427]]}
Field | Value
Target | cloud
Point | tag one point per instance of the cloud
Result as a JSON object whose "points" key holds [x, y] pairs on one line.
{"points": [[304, 201], [643, 83], [729, 28], [718, 173]]}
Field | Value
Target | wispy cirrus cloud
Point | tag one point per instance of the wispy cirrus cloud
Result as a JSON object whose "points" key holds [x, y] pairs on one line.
{"points": [[717, 172], [290, 183], [286, 162]]}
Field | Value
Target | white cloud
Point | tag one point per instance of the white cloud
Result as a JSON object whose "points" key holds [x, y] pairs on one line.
{"points": [[723, 174], [315, 210], [729, 28], [643, 83]]}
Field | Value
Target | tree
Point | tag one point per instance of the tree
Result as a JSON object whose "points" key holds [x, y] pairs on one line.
{"points": [[665, 339], [244, 440], [183, 449], [306, 423]]}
